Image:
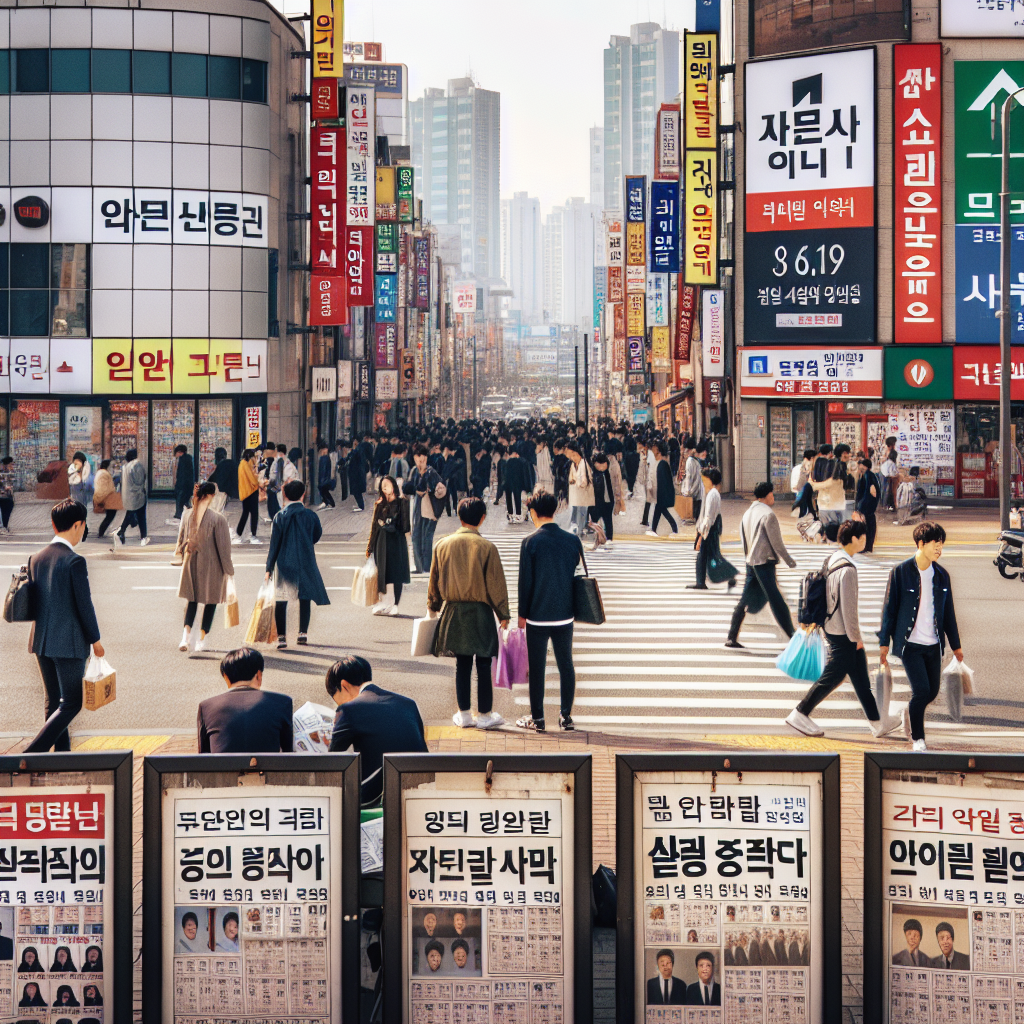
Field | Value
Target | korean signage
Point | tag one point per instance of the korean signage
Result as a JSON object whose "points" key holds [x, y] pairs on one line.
{"points": [[421, 250], [661, 350], [925, 438], [600, 293], [386, 249], [328, 33], [635, 326], [667, 145], [712, 332], [811, 372], [327, 299], [406, 200], [636, 365], [385, 348], [726, 914], [664, 227], [917, 193], [810, 206], [324, 100], [325, 383], [685, 312], [386, 79], [489, 881], [980, 88], [464, 297], [636, 240], [360, 136], [253, 426], [988, 19], [344, 380], [700, 91], [387, 203], [615, 261], [699, 195], [657, 300], [386, 386], [919, 374], [361, 384], [977, 373], [327, 187], [408, 382], [358, 266], [636, 200], [386, 295]]}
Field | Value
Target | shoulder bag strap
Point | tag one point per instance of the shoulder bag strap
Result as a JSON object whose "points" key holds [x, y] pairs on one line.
{"points": [[583, 559]]}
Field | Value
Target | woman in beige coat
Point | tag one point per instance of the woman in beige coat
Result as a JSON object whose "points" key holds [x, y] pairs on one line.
{"points": [[106, 498], [204, 542]]}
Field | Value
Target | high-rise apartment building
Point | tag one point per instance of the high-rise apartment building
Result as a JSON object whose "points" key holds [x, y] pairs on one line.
{"points": [[456, 150], [641, 71], [597, 165], [569, 262], [552, 236], [523, 255]]}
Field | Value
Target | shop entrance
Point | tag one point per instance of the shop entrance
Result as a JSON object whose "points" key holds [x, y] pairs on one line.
{"points": [[860, 430], [792, 430]]}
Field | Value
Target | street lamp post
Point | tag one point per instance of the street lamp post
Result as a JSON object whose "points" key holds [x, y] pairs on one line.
{"points": [[1005, 350]]}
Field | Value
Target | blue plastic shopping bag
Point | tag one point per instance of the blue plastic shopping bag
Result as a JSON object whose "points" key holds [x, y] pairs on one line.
{"points": [[804, 656]]}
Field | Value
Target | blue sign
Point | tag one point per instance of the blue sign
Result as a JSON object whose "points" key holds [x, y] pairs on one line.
{"points": [[636, 194], [664, 227], [385, 78], [757, 366], [386, 294], [978, 294], [709, 15], [599, 291]]}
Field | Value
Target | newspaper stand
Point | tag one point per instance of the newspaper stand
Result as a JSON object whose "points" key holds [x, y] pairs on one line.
{"points": [[66, 876], [729, 863], [943, 887], [251, 888], [487, 866]]}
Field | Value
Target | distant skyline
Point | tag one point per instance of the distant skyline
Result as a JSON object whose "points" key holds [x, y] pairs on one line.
{"points": [[543, 56]]}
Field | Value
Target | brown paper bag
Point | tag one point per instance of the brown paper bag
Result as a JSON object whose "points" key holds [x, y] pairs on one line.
{"points": [[99, 687]]}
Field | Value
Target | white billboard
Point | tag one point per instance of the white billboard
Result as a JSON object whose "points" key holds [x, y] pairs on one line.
{"points": [[968, 19], [464, 297]]}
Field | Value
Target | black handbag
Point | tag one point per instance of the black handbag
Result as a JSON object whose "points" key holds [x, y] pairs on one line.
{"points": [[587, 606], [18, 602]]}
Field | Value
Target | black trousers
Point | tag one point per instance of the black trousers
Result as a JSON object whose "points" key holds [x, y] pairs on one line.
{"points": [[250, 511], [872, 522], [208, 612], [701, 568], [6, 508], [108, 518], [281, 617], [923, 665], [759, 585], [464, 683], [326, 497], [62, 680], [696, 508], [537, 653], [659, 511], [843, 660], [645, 521], [182, 500], [514, 502], [273, 504], [134, 517], [605, 512], [358, 495]]}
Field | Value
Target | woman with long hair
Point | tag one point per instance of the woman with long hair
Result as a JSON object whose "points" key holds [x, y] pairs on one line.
{"points": [[91, 996], [204, 542], [62, 962], [66, 996], [93, 963], [249, 492], [31, 996], [106, 498], [30, 961], [388, 545]]}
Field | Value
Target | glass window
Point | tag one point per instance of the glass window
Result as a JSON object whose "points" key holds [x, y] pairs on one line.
{"points": [[31, 70], [30, 313], [29, 265], [70, 313], [188, 74], [35, 439], [5, 315], [69, 265], [69, 70], [225, 78], [69, 298], [254, 81], [216, 430], [128, 427], [174, 423], [111, 71], [5, 72], [151, 72]]}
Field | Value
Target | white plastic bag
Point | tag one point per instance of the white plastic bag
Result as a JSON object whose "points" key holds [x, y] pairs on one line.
{"points": [[364, 584], [957, 680], [881, 686], [230, 604], [99, 685], [423, 631]]}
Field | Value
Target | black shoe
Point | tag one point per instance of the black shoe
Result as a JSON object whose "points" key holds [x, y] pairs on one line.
{"points": [[733, 643], [566, 722], [695, 586], [533, 724], [301, 639], [732, 583]]}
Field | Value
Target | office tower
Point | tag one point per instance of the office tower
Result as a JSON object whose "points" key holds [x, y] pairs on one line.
{"points": [[523, 255]]}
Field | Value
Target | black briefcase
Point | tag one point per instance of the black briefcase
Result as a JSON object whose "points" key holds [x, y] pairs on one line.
{"points": [[587, 606], [18, 602]]}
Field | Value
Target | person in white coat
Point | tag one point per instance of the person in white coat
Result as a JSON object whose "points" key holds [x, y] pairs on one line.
{"points": [[649, 472]]}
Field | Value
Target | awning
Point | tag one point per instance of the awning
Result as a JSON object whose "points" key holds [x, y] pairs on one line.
{"points": [[674, 400]]}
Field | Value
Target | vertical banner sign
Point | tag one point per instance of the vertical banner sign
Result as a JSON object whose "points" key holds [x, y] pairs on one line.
{"points": [[712, 333], [699, 192], [685, 310], [361, 391], [386, 298], [700, 91], [327, 299], [917, 198], [657, 300], [421, 248], [709, 15], [385, 349], [810, 226], [979, 89], [323, 101], [666, 152], [408, 374], [387, 205], [359, 266], [328, 30], [327, 182], [615, 260], [600, 293], [664, 227], [406, 199], [360, 151], [386, 260], [636, 248], [661, 350]]}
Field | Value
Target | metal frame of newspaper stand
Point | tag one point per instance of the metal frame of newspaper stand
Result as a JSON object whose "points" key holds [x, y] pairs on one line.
{"points": [[726, 763], [875, 765], [119, 764], [224, 770], [397, 769]]}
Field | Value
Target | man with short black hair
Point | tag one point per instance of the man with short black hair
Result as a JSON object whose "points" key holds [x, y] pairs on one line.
{"points": [[913, 955], [64, 623], [184, 482], [428, 491], [949, 959], [664, 990], [705, 991], [245, 720]]}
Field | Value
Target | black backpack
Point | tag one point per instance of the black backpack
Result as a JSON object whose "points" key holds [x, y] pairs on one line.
{"points": [[813, 607]]}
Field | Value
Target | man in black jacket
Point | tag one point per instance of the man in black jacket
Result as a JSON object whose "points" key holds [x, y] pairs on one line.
{"points": [[517, 480], [427, 491], [64, 623], [869, 489], [245, 720], [184, 482], [665, 495], [372, 721], [547, 565]]}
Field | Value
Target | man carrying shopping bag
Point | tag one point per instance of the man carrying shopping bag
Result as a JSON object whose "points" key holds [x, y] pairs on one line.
{"points": [[846, 656]]}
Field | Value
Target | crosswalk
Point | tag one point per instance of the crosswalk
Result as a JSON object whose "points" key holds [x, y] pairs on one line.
{"points": [[658, 663]]}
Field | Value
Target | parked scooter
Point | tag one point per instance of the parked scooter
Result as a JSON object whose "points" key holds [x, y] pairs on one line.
{"points": [[1009, 558]]}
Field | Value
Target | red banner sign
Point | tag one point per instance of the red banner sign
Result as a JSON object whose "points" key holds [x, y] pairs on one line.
{"points": [[327, 303], [978, 372], [323, 102], [327, 184], [686, 310], [614, 284], [359, 265], [57, 816], [917, 193]]}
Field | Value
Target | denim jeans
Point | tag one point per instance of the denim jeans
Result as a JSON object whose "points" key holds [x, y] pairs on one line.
{"points": [[579, 515], [136, 517], [423, 542]]}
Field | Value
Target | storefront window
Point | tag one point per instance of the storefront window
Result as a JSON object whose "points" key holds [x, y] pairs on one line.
{"points": [[977, 444], [129, 428], [174, 423], [216, 430], [83, 432], [35, 439]]}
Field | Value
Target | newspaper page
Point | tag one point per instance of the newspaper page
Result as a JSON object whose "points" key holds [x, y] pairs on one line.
{"points": [[56, 903], [489, 904], [953, 898], [251, 911], [729, 900]]}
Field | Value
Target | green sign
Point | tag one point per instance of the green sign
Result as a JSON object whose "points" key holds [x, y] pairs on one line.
{"points": [[919, 373], [406, 202], [387, 236], [980, 88]]}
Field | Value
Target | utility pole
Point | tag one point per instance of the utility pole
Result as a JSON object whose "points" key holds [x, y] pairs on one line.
{"points": [[475, 407], [576, 373], [586, 380], [1005, 352]]}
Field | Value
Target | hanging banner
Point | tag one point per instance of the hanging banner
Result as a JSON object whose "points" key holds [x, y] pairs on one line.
{"points": [[667, 150], [600, 292], [327, 35], [661, 350], [327, 303], [385, 348], [917, 193], [664, 227], [619, 323], [361, 150], [810, 224], [386, 201], [700, 91], [636, 366], [464, 297], [327, 187], [979, 89], [386, 298], [358, 268], [686, 308], [323, 100], [699, 186], [406, 200], [613, 234], [364, 374], [635, 326], [386, 386], [408, 374], [636, 199], [709, 15], [657, 300], [712, 332], [386, 250], [615, 289], [421, 249]]}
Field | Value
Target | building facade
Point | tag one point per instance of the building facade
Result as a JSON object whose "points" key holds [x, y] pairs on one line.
{"points": [[149, 162], [597, 166], [523, 266]]}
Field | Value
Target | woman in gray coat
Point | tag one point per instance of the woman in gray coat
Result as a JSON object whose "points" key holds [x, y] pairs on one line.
{"points": [[204, 541], [133, 496]]}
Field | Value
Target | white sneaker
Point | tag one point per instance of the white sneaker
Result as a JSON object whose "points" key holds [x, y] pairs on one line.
{"points": [[200, 644], [393, 610], [803, 724], [920, 746], [905, 716], [885, 726], [321, 506], [118, 540], [173, 522], [650, 533], [235, 539], [145, 541], [609, 545], [464, 720], [267, 520], [380, 608], [185, 637], [489, 721], [255, 540]]}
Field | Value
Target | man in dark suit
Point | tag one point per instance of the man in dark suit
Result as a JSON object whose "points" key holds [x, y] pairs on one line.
{"points": [[6, 946], [740, 953], [948, 959], [664, 990], [65, 623], [705, 991], [245, 720], [372, 721], [781, 954], [913, 955]]}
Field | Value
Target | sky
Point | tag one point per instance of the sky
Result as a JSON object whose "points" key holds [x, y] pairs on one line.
{"points": [[543, 56]]}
